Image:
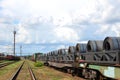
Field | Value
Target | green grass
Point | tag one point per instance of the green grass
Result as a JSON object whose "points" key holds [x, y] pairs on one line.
{"points": [[2, 61], [47, 73], [6, 69], [38, 64], [6, 62]]}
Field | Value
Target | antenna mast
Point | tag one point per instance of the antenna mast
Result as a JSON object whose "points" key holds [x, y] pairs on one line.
{"points": [[21, 50], [14, 32]]}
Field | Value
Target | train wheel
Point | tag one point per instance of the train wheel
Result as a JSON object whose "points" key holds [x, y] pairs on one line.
{"points": [[93, 75], [73, 73], [64, 70], [101, 78], [69, 71], [86, 75]]}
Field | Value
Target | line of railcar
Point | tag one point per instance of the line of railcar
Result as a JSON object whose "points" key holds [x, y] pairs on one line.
{"points": [[99, 60], [8, 57]]}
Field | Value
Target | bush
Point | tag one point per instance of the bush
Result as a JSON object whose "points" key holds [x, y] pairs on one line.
{"points": [[38, 64]]}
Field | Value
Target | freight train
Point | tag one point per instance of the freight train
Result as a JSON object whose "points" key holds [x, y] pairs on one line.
{"points": [[96, 60], [8, 57], [11, 57]]}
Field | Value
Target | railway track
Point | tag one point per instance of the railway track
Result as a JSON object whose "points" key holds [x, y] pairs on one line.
{"points": [[5, 64], [24, 72], [31, 73]]}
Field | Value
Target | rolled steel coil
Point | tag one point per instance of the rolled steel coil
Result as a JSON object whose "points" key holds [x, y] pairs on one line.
{"points": [[59, 53], [55, 53], [63, 51], [94, 46], [81, 48], [45, 54], [71, 50], [50, 53], [111, 43]]}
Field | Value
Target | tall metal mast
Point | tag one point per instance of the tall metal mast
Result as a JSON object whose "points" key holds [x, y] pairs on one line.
{"points": [[14, 32], [21, 50]]}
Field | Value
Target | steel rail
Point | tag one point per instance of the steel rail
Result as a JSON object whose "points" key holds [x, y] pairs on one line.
{"points": [[5, 64], [17, 72], [14, 77], [31, 73]]}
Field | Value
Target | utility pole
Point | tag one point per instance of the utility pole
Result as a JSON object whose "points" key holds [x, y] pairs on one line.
{"points": [[21, 50], [14, 32]]}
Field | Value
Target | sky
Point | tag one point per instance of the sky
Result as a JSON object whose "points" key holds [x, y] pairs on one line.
{"points": [[47, 25]]}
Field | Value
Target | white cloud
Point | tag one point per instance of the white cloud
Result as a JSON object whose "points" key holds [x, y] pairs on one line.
{"points": [[61, 46], [22, 34], [116, 29], [55, 21], [6, 33], [103, 29], [7, 49], [109, 30], [66, 34], [85, 42]]}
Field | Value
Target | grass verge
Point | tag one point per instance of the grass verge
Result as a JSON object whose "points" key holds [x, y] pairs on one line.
{"points": [[46, 73], [7, 71]]}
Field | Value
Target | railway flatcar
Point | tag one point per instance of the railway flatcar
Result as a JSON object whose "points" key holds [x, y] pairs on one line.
{"points": [[96, 60]]}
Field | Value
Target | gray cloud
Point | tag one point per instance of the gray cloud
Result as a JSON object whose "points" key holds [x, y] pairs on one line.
{"points": [[58, 22]]}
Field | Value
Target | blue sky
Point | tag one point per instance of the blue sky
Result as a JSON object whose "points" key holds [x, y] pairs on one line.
{"points": [[46, 25]]}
